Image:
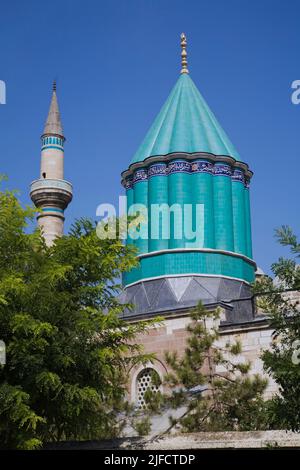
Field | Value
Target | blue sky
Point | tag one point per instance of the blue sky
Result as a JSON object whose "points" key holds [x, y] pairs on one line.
{"points": [[115, 63]]}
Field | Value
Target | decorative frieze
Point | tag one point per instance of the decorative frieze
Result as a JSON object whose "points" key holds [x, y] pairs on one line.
{"points": [[201, 166], [140, 175], [128, 182], [183, 166], [179, 167], [222, 170], [158, 169], [238, 175]]}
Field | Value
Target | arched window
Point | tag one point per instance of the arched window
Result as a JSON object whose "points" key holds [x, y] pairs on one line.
{"points": [[148, 379]]}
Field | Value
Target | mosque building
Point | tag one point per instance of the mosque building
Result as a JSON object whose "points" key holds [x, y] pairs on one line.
{"points": [[191, 173]]}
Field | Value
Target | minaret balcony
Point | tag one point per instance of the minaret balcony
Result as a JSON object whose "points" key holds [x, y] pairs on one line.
{"points": [[51, 191]]}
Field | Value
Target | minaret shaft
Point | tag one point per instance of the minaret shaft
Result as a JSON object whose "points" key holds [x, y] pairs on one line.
{"points": [[51, 193], [52, 163], [51, 227]]}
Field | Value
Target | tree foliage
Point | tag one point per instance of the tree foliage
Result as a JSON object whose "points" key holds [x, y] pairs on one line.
{"points": [[210, 383], [66, 344], [282, 361]]}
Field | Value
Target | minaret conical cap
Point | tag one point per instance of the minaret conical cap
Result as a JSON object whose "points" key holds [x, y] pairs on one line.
{"points": [[53, 123]]}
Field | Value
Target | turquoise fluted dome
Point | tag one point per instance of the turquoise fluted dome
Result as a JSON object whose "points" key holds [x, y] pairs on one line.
{"points": [[187, 162], [185, 124]]}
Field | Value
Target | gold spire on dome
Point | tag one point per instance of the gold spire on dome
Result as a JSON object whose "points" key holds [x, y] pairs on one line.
{"points": [[183, 54]]}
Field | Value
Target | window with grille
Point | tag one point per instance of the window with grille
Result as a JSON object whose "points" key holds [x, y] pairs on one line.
{"points": [[146, 380]]}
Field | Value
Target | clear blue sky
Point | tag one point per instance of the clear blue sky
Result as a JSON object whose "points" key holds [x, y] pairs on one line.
{"points": [[115, 63]]}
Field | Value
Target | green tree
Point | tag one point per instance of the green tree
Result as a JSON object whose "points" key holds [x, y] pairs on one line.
{"points": [[282, 361], [67, 346], [211, 383]]}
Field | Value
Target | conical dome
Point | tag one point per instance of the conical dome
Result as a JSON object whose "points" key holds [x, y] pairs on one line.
{"points": [[185, 124]]}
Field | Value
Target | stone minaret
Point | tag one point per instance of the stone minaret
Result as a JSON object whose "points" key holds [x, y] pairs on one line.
{"points": [[51, 193]]}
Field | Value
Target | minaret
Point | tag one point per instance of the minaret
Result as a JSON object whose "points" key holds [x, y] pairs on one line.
{"points": [[51, 193]]}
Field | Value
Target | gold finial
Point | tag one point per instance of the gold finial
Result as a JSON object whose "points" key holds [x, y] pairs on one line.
{"points": [[183, 54]]}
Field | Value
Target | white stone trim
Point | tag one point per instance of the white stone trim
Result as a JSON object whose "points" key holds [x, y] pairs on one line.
{"points": [[185, 275], [201, 250]]}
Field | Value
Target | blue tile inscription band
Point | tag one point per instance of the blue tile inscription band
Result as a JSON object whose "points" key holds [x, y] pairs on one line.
{"points": [[182, 166]]}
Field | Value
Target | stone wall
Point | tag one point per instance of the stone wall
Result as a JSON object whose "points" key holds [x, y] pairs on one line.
{"points": [[254, 340], [200, 440], [171, 336]]}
